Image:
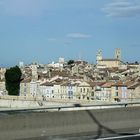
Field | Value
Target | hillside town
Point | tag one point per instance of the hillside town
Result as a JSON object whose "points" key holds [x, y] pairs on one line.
{"points": [[110, 80]]}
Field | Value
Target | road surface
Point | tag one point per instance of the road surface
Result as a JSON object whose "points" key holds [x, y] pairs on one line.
{"points": [[87, 124]]}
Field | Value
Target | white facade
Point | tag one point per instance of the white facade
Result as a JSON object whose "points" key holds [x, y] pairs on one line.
{"points": [[3, 88], [57, 91], [47, 91], [34, 88]]}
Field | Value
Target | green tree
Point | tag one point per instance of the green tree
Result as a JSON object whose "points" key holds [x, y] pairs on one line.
{"points": [[70, 62], [12, 80]]}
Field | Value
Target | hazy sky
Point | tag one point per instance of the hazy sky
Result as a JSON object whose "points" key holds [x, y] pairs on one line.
{"points": [[44, 30]]}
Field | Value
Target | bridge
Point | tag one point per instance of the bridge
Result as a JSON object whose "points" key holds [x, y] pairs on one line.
{"points": [[49, 123]]}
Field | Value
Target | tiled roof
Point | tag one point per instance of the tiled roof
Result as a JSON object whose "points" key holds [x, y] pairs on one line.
{"points": [[47, 84], [26, 80], [119, 83], [93, 84], [134, 86], [110, 59], [107, 84]]}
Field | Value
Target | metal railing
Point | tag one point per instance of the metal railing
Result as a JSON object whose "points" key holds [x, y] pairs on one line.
{"points": [[72, 107]]}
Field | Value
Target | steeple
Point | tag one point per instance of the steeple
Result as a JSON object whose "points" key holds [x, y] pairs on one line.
{"points": [[118, 53], [34, 72], [98, 56]]}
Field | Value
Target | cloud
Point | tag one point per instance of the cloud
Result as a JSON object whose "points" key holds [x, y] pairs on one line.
{"points": [[67, 42], [51, 39], [122, 8], [78, 35], [23, 7], [135, 45]]}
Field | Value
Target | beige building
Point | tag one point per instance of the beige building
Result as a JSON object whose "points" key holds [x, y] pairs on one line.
{"points": [[119, 92], [57, 91], [106, 92], [84, 91], [134, 91], [111, 62], [2, 87], [25, 87]]}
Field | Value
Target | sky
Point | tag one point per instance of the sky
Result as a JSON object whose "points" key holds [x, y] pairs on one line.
{"points": [[44, 30]]}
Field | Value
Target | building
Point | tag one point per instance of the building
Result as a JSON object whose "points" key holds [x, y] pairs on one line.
{"points": [[109, 62], [134, 91], [118, 53], [119, 92], [34, 72], [84, 90], [25, 87], [106, 91], [47, 90]]}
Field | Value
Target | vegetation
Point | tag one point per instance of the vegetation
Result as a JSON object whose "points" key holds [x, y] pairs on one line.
{"points": [[13, 78], [70, 62]]}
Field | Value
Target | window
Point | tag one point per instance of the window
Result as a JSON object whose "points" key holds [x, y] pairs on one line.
{"points": [[84, 90], [116, 88], [116, 93], [92, 94], [24, 89]]}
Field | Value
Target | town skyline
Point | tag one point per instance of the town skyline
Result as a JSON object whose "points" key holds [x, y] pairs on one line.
{"points": [[45, 30]]}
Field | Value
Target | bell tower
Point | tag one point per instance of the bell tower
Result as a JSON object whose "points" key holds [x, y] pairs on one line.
{"points": [[99, 56], [118, 53], [34, 72]]}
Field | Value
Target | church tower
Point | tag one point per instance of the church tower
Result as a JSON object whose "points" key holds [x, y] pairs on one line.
{"points": [[34, 72], [99, 56], [118, 53]]}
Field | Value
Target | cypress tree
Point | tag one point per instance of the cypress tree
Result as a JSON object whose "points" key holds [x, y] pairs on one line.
{"points": [[12, 80]]}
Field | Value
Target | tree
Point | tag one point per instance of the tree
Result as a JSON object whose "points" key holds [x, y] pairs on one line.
{"points": [[70, 62], [136, 63], [12, 80]]}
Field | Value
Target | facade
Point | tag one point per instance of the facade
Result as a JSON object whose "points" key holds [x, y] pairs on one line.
{"points": [[110, 63], [106, 91], [47, 90], [70, 90], [119, 92], [57, 91], [134, 91], [34, 88], [84, 91], [25, 87], [2, 87]]}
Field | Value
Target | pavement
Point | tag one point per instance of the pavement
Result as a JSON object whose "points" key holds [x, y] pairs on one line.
{"points": [[70, 125]]}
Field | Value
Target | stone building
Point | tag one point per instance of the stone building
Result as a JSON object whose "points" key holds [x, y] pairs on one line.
{"points": [[109, 62]]}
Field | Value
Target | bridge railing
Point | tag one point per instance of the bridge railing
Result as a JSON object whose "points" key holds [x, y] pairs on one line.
{"points": [[72, 107]]}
